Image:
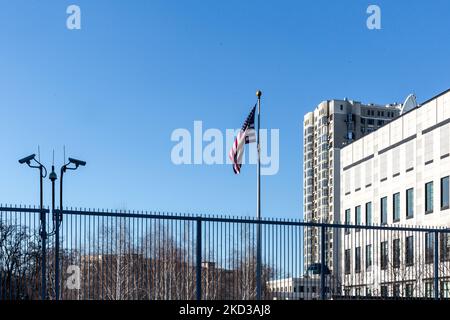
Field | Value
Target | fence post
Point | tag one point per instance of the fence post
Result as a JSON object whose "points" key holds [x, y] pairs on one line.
{"points": [[322, 263], [436, 265], [199, 260]]}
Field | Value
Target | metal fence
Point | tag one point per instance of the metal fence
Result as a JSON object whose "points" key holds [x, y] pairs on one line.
{"points": [[21, 259], [116, 255]]}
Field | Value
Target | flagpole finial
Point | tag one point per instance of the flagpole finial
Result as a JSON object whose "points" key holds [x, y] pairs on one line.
{"points": [[258, 94]]}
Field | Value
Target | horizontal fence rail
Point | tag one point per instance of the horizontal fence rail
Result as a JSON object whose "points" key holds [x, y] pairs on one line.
{"points": [[117, 255]]}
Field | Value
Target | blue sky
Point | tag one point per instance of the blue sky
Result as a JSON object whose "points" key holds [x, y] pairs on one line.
{"points": [[114, 91]]}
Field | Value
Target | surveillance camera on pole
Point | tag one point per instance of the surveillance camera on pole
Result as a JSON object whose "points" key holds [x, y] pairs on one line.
{"points": [[58, 219], [28, 159], [77, 162], [43, 232]]}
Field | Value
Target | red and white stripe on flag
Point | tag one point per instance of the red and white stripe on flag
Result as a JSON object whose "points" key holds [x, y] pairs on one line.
{"points": [[237, 152], [246, 135]]}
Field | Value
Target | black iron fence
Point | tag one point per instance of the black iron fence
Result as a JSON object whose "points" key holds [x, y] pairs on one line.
{"points": [[21, 262], [116, 255]]}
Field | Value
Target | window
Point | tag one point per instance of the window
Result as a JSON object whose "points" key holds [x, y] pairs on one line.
{"points": [[347, 261], [358, 292], [396, 207], [347, 220], [444, 252], [445, 289], [429, 289], [384, 291], [409, 291], [384, 255], [368, 292], [368, 213], [384, 210], [410, 203], [396, 290], [409, 251], [429, 247], [396, 253], [368, 256], [445, 193], [358, 259], [358, 216], [429, 197]]}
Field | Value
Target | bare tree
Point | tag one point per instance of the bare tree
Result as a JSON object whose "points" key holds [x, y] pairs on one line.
{"points": [[244, 272], [20, 263]]}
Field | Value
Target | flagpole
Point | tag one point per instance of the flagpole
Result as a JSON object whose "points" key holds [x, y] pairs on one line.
{"points": [[258, 181], [258, 205]]}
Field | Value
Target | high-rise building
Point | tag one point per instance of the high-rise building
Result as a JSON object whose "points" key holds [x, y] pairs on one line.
{"points": [[332, 125]]}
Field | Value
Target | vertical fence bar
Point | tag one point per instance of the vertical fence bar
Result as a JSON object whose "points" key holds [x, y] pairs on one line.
{"points": [[199, 260], [436, 265], [322, 263], [56, 257]]}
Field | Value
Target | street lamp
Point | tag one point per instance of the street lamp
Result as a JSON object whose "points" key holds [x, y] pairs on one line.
{"points": [[42, 230], [58, 219]]}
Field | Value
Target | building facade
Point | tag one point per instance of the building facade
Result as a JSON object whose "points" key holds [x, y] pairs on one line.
{"points": [[295, 288], [398, 176], [332, 125]]}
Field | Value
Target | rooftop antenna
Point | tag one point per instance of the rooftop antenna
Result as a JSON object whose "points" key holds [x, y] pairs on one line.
{"points": [[409, 104]]}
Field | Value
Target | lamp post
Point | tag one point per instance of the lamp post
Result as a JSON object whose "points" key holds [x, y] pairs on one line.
{"points": [[58, 218], [53, 177], [42, 217]]}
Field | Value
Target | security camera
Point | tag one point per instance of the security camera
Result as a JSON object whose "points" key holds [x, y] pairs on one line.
{"points": [[27, 159], [77, 162]]}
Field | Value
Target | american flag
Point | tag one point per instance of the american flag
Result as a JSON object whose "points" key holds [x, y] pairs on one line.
{"points": [[245, 136]]}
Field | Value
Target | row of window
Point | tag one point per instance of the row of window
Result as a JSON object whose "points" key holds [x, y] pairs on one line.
{"points": [[390, 114], [444, 253], [372, 122], [409, 290], [298, 289], [409, 198]]}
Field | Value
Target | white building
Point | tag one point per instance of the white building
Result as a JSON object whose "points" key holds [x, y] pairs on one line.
{"points": [[304, 288], [397, 175]]}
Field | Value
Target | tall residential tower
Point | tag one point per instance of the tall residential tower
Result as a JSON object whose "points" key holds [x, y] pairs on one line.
{"points": [[332, 125]]}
